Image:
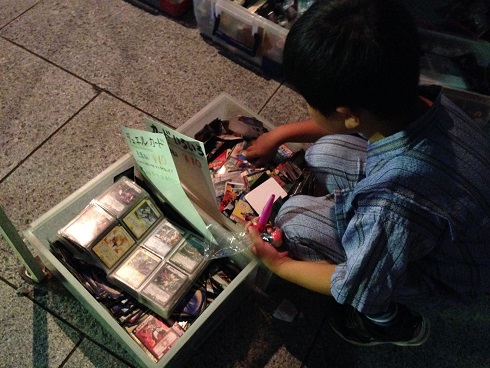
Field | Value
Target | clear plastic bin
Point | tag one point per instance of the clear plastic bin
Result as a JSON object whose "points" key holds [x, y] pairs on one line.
{"points": [[44, 229], [248, 35]]}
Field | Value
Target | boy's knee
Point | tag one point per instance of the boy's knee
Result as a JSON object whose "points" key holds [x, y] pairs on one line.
{"points": [[290, 210]]}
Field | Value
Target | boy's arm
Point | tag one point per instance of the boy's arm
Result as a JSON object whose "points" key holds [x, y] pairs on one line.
{"points": [[301, 131], [314, 276], [264, 147]]}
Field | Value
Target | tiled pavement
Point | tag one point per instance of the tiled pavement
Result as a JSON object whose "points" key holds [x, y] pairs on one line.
{"points": [[71, 72]]}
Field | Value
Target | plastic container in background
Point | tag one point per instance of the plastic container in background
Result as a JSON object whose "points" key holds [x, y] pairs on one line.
{"points": [[475, 105], [248, 35]]}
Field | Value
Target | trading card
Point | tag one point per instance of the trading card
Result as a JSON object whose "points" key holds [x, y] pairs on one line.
{"points": [[137, 268], [248, 127], [293, 170], [189, 255], [281, 172], [220, 160], [184, 325], [165, 236], [113, 246], [210, 130], [232, 164], [120, 196], [237, 160], [258, 180], [178, 328], [232, 191], [281, 180], [164, 285], [192, 305], [254, 123], [88, 226], [242, 212], [250, 177], [258, 197], [282, 154], [142, 217], [156, 336], [228, 209], [223, 144], [221, 278], [221, 177]]}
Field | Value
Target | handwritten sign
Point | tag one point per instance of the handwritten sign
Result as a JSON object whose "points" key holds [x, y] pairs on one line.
{"points": [[156, 162], [190, 160]]}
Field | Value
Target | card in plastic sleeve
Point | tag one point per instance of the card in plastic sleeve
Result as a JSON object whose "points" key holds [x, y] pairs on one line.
{"points": [[134, 270], [164, 286], [189, 255], [88, 226], [120, 197], [113, 246], [142, 217], [164, 237], [156, 336]]}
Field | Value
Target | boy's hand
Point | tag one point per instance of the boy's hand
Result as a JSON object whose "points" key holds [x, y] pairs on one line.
{"points": [[270, 256], [262, 150]]}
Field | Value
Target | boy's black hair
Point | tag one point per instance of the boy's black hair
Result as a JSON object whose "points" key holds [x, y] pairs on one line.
{"points": [[355, 53]]}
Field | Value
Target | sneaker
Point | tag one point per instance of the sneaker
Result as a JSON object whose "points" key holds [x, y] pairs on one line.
{"points": [[408, 329]]}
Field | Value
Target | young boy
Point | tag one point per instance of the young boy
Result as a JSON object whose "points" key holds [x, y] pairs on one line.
{"points": [[405, 218]]}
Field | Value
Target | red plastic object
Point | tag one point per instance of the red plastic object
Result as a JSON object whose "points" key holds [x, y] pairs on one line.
{"points": [[175, 9]]}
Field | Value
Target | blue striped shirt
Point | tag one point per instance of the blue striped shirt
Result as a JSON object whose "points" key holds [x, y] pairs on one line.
{"points": [[417, 228]]}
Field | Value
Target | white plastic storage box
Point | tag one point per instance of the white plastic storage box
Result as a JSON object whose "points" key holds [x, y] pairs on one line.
{"points": [[475, 105], [450, 45], [440, 49], [249, 35], [44, 229]]}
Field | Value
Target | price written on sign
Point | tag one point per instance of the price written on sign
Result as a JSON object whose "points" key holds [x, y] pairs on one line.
{"points": [[155, 160], [177, 140], [190, 160]]}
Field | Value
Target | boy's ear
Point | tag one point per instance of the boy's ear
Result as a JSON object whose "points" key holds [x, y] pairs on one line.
{"points": [[350, 116]]}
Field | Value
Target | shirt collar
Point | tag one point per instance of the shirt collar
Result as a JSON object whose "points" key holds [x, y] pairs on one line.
{"points": [[402, 141]]}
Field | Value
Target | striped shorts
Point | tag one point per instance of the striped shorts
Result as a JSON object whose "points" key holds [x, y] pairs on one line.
{"points": [[308, 223]]}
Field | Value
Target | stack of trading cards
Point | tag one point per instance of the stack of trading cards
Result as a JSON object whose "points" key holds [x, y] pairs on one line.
{"points": [[140, 250], [164, 237], [120, 197], [135, 269], [156, 335], [87, 227], [165, 288], [111, 225], [96, 237], [161, 268], [233, 176], [189, 256], [132, 205]]}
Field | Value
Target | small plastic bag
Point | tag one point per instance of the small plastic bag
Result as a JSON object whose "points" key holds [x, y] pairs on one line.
{"points": [[225, 243]]}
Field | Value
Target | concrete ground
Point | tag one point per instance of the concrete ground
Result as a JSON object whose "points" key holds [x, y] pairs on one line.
{"points": [[71, 72]]}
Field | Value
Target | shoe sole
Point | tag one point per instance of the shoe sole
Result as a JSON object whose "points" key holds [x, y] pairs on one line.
{"points": [[421, 339]]}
